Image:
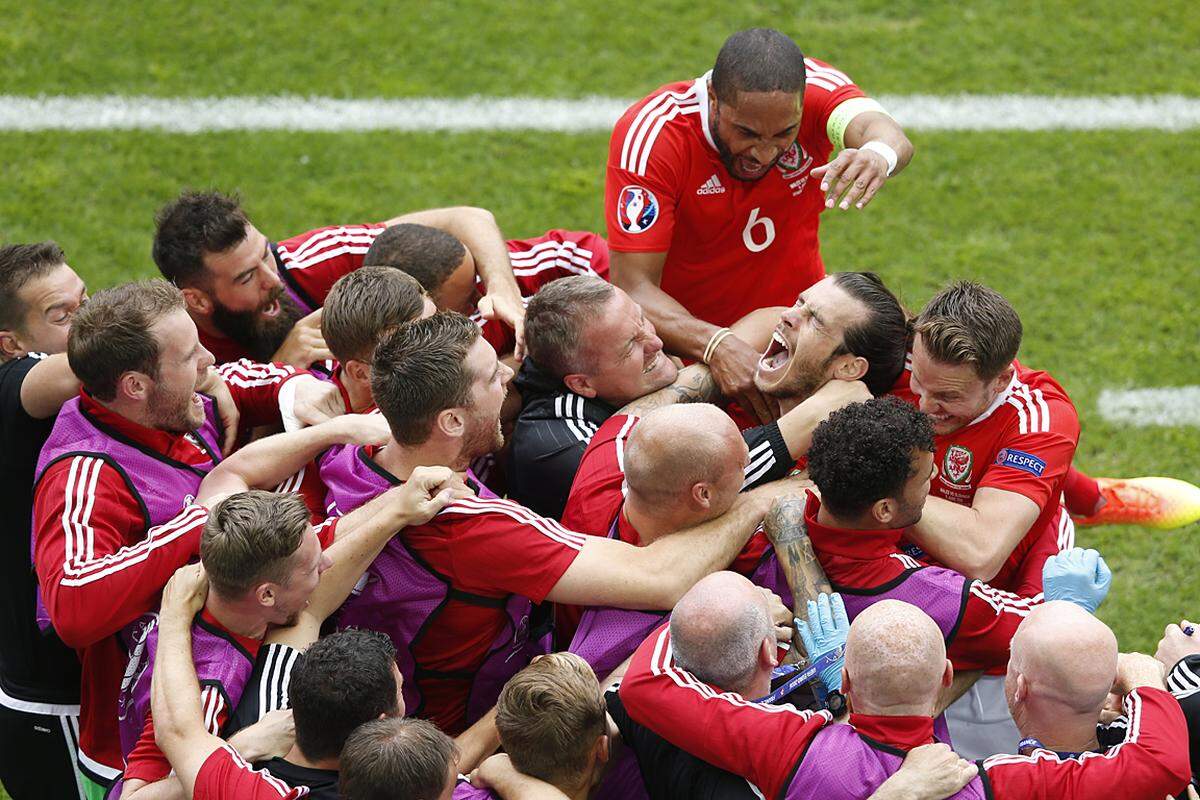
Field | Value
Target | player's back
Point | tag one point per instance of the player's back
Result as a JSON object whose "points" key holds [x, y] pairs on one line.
{"points": [[844, 763]]}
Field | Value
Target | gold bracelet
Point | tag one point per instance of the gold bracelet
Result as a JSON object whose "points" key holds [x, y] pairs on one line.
{"points": [[715, 342]]}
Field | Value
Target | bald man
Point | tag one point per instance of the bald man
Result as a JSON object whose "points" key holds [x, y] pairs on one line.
{"points": [[689, 682], [1063, 667], [643, 478]]}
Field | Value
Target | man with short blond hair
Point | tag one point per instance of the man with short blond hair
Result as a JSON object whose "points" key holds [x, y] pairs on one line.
{"points": [[552, 723], [263, 560]]}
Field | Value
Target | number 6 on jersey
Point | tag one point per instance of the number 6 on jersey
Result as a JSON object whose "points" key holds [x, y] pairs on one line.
{"points": [[748, 232]]}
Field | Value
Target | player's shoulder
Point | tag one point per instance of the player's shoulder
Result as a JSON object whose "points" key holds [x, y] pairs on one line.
{"points": [[822, 78], [470, 517], [1035, 403], [614, 429], [674, 96], [327, 236], [660, 125]]}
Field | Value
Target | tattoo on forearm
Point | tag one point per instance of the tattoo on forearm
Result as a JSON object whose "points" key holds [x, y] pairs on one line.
{"points": [[694, 384], [788, 534]]}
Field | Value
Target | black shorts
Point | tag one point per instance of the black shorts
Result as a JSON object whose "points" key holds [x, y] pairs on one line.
{"points": [[37, 755]]}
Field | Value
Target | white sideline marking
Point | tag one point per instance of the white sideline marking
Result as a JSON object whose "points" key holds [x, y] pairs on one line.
{"points": [[1144, 407], [199, 115]]}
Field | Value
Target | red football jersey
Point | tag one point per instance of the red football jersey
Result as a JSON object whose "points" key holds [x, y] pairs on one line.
{"points": [[313, 261], [225, 775], [537, 261], [732, 246], [1022, 443]]}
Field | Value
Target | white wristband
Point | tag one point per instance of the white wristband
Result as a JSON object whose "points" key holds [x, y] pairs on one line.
{"points": [[885, 150]]}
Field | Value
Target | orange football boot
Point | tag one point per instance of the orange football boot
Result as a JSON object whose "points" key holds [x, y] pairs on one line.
{"points": [[1163, 503]]}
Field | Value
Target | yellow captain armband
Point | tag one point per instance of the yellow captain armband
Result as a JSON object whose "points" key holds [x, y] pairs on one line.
{"points": [[841, 117]]}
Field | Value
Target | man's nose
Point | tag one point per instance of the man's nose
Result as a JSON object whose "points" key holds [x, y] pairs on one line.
{"points": [[268, 277]]}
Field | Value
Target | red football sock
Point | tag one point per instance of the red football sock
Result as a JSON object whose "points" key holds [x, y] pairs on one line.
{"points": [[1081, 493]]}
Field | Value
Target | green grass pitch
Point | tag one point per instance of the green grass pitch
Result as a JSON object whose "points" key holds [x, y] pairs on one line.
{"points": [[1091, 235]]}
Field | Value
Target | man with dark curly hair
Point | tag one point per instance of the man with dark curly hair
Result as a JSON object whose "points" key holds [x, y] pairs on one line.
{"points": [[872, 463]]}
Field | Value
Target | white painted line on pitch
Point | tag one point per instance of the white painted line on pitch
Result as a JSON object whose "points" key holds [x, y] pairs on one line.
{"points": [[1144, 407], [198, 115]]}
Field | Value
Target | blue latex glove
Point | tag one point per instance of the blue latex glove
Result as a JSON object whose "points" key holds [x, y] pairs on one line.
{"points": [[824, 636], [1078, 576]]}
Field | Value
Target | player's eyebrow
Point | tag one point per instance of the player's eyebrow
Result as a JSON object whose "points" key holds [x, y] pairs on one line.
{"points": [[244, 273], [58, 306]]}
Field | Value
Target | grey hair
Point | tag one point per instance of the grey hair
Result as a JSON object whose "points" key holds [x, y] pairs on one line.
{"points": [[727, 658]]}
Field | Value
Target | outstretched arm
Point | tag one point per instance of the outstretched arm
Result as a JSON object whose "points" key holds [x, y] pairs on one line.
{"points": [[975, 540], [608, 572], [268, 462]]}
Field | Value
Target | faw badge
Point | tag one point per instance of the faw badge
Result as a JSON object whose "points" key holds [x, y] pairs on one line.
{"points": [[956, 465], [794, 161]]}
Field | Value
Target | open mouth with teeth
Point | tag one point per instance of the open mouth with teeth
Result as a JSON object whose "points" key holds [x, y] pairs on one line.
{"points": [[777, 356], [646, 370]]}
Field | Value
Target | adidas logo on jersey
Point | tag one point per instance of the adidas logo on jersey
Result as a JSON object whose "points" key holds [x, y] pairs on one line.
{"points": [[712, 186]]}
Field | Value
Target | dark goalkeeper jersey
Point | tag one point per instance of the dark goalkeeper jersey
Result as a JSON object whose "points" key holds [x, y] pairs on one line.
{"points": [[38, 673]]}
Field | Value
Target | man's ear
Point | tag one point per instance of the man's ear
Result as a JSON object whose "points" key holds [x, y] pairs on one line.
{"points": [[1001, 381], [702, 494], [850, 368], [948, 674], [845, 683], [767, 654], [10, 346], [197, 300], [452, 422], [884, 511], [580, 385], [358, 370], [603, 749], [133, 385], [264, 593], [1021, 690]]}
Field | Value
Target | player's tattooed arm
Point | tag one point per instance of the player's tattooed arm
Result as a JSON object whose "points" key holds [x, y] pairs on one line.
{"points": [[788, 534], [694, 384]]}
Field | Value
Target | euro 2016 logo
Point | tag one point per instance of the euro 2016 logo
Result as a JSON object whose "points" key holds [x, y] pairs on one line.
{"points": [[956, 465], [637, 209]]}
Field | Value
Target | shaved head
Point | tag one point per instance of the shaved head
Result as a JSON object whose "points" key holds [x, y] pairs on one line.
{"points": [[674, 448], [1065, 655], [717, 629], [895, 660]]}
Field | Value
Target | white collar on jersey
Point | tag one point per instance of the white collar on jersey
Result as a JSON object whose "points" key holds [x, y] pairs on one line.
{"points": [[700, 87], [1000, 398]]}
